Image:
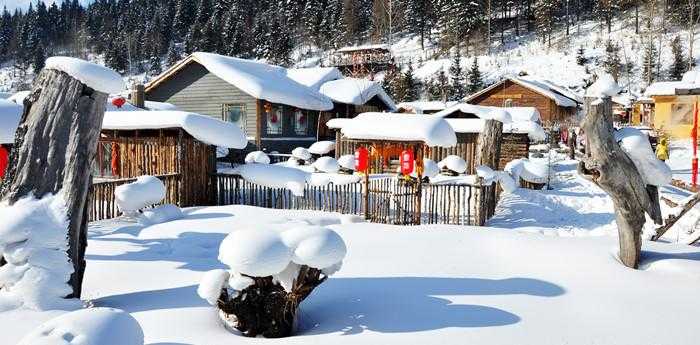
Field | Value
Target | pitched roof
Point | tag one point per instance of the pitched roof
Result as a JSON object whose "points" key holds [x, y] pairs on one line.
{"points": [[314, 77], [260, 80], [356, 91], [431, 130], [560, 95]]}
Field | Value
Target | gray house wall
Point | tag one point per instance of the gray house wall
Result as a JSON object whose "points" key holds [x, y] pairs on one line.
{"points": [[196, 90]]}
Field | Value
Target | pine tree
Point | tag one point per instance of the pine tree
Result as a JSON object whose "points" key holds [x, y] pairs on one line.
{"points": [[457, 78], [604, 10], [545, 17], [154, 64], [612, 63], [184, 17], [475, 83], [174, 55], [412, 88], [39, 58], [438, 87], [423, 18], [580, 56], [459, 18], [649, 68], [6, 34], [679, 65]]}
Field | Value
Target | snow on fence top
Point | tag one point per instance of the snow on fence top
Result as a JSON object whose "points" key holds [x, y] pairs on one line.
{"points": [[314, 77], [203, 128], [356, 91], [263, 81], [95, 76], [433, 131], [10, 114]]}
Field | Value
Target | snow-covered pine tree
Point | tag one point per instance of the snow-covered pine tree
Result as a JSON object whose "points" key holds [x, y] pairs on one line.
{"points": [[612, 63], [6, 34], [474, 80], [604, 10], [422, 14], [332, 28], [39, 58], [457, 77], [184, 17], [411, 85], [679, 65], [312, 19], [545, 17], [439, 87], [459, 18], [649, 61], [154, 63], [581, 56], [174, 55]]}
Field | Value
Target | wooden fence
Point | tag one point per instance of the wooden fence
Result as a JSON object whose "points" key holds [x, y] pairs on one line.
{"points": [[102, 204], [390, 201]]}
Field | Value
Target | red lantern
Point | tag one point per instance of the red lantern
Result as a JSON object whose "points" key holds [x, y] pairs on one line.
{"points": [[118, 102], [407, 161], [274, 118], [361, 159]]}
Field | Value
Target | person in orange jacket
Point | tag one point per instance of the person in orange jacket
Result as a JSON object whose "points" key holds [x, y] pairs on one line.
{"points": [[4, 160]]}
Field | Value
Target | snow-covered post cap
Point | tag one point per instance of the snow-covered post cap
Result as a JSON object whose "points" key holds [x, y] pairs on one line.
{"points": [[498, 114], [604, 87], [93, 75]]}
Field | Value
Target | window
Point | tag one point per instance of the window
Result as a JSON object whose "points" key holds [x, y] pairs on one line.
{"points": [[235, 113], [301, 123], [274, 118]]}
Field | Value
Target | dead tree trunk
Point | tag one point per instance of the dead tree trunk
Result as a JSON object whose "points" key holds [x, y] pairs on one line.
{"points": [[265, 308], [489, 150], [612, 170], [53, 152]]}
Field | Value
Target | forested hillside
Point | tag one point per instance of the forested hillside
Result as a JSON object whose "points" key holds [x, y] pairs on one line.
{"points": [[142, 37]]}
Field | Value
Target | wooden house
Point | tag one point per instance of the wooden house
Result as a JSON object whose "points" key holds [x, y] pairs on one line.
{"points": [[674, 104], [363, 61], [556, 104], [274, 111], [178, 147]]}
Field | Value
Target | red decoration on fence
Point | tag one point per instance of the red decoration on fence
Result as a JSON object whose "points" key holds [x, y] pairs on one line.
{"points": [[118, 102], [407, 162], [361, 159]]}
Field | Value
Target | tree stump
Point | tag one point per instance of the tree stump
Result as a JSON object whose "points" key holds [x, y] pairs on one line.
{"points": [[489, 154], [53, 152], [266, 308], [609, 167]]}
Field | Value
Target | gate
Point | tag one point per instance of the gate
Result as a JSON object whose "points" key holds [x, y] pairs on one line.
{"points": [[390, 200]]}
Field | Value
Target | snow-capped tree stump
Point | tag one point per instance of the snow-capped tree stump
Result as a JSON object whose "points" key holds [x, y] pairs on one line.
{"points": [[55, 146], [265, 308], [489, 147], [609, 167]]}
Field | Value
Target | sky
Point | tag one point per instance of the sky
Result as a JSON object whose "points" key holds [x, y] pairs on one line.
{"points": [[24, 4]]}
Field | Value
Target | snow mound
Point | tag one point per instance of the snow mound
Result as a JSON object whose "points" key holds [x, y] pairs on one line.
{"points": [[605, 86], [256, 252], [94, 76], [433, 131], [430, 169], [144, 192], [257, 157], [322, 147], [316, 247], [94, 326], [454, 163], [274, 176], [347, 162], [301, 153], [33, 241], [210, 286], [327, 165], [636, 144], [486, 173], [498, 114], [10, 115], [534, 172], [203, 128], [506, 181], [161, 214]]}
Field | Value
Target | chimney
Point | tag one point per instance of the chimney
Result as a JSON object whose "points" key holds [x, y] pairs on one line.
{"points": [[138, 95]]}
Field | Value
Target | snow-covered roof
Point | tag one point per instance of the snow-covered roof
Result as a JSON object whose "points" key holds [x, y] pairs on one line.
{"points": [[10, 114], [559, 94], [314, 77], [420, 107], [260, 80], [19, 97], [356, 91], [93, 75], [363, 47], [203, 128], [433, 131], [337, 123], [150, 105], [517, 113], [690, 81]]}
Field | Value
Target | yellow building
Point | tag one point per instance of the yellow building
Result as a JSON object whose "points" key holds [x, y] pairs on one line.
{"points": [[674, 104]]}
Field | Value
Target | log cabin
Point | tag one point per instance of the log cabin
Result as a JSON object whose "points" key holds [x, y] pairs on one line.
{"points": [[674, 104], [277, 108], [556, 104]]}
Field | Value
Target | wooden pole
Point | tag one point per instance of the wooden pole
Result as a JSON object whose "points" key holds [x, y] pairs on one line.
{"points": [[54, 149], [608, 166]]}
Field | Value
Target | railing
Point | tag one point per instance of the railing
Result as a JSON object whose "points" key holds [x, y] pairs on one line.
{"points": [[389, 201], [102, 203]]}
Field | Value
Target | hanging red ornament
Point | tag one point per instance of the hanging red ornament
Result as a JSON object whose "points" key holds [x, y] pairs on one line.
{"points": [[273, 119], [302, 118], [118, 102]]}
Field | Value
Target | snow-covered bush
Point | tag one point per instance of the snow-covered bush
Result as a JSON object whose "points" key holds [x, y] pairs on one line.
{"points": [[322, 147], [327, 165], [454, 165], [257, 157], [270, 274], [160, 214], [94, 326], [301, 154], [274, 176], [33, 241], [347, 163], [144, 192]]}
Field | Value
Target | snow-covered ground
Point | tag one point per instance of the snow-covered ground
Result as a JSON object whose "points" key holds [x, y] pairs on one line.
{"points": [[680, 159]]}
